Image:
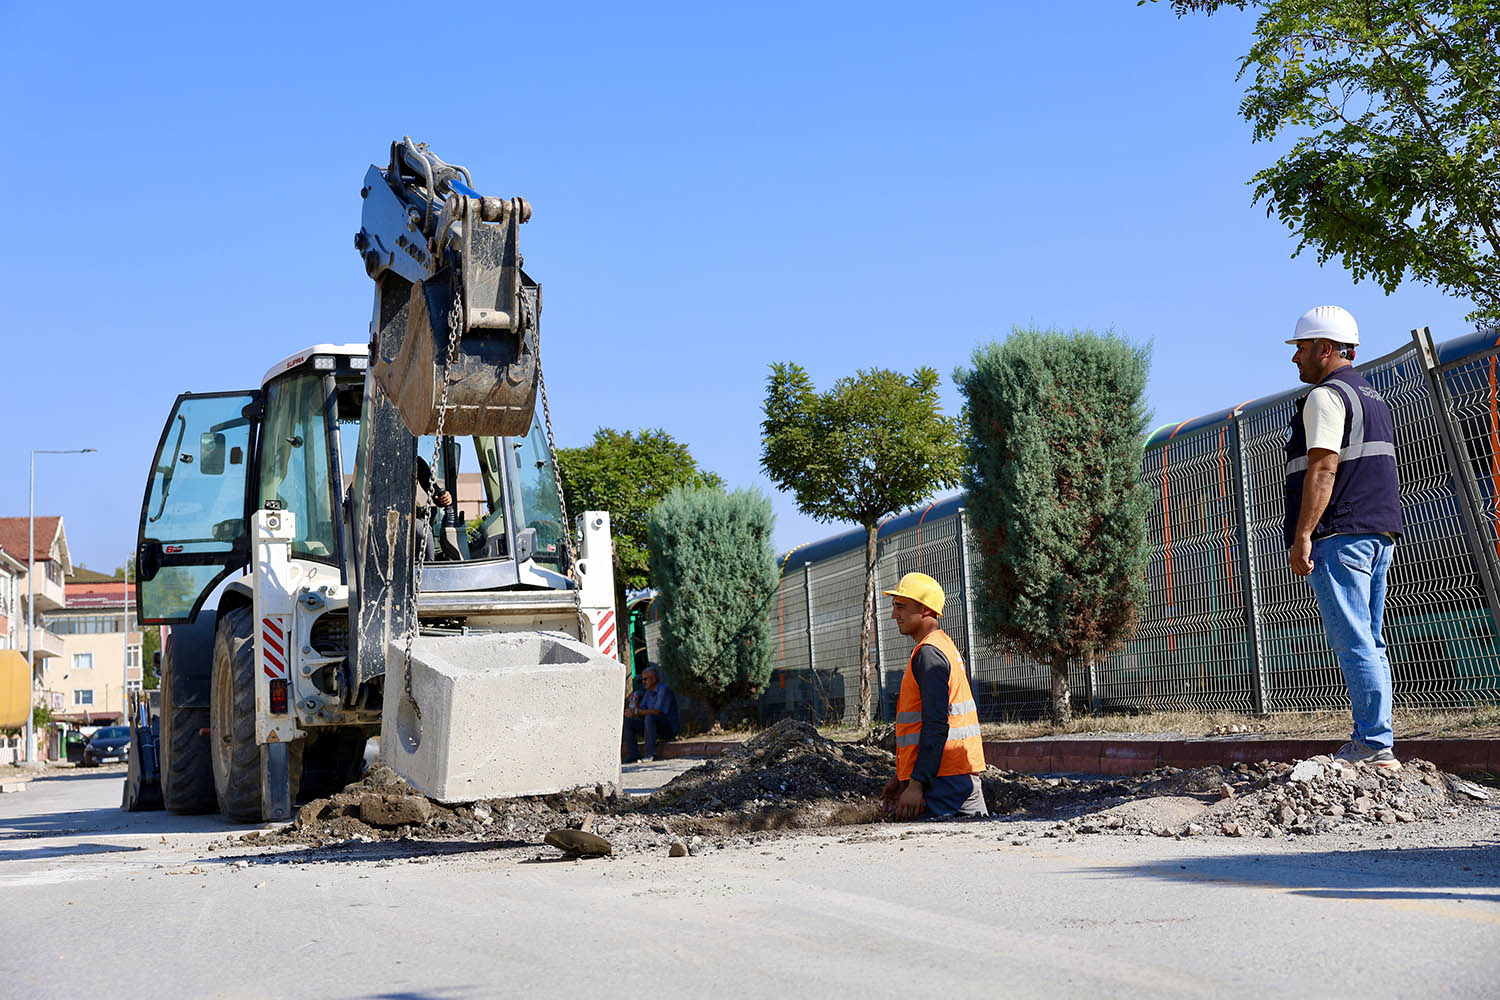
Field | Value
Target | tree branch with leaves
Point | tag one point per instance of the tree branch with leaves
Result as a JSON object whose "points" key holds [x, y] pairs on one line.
{"points": [[1395, 106], [875, 444]]}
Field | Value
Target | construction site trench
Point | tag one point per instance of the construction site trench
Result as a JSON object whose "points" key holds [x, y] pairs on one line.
{"points": [[790, 778]]}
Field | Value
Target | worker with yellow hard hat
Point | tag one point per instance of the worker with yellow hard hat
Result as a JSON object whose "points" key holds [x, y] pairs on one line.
{"points": [[939, 755]]}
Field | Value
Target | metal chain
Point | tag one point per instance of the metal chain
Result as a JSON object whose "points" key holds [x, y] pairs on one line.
{"points": [[454, 335], [562, 505]]}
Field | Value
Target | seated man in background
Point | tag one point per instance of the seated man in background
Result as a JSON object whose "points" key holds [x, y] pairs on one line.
{"points": [[651, 714]]}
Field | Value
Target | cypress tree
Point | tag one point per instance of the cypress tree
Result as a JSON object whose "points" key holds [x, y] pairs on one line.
{"points": [[711, 558], [1055, 426]]}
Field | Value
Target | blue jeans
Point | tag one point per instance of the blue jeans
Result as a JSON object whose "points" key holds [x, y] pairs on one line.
{"points": [[1348, 578], [652, 727]]}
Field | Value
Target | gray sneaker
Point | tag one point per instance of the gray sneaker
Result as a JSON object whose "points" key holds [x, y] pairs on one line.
{"points": [[1355, 752]]}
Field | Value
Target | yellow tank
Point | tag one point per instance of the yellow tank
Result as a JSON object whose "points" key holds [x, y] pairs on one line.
{"points": [[13, 689]]}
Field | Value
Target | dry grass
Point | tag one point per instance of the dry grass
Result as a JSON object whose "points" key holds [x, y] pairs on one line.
{"points": [[1453, 723], [1409, 724]]}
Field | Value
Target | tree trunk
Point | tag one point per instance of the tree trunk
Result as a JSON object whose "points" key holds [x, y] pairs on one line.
{"points": [[1062, 695], [867, 666]]}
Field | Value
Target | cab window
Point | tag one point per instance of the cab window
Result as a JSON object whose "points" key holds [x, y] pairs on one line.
{"points": [[294, 462]]}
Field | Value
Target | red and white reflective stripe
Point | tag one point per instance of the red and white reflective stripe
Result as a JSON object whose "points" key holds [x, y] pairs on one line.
{"points": [[604, 633], [272, 643]]}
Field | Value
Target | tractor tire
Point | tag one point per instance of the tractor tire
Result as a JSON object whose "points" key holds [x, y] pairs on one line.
{"points": [[234, 754], [187, 773], [332, 760]]}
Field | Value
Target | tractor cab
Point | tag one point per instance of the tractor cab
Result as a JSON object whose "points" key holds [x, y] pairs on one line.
{"points": [[302, 444]]}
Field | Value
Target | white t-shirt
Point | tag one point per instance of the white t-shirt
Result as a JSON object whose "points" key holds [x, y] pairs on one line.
{"points": [[1323, 418]]}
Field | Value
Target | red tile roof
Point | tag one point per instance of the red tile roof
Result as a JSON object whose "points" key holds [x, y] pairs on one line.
{"points": [[15, 536], [98, 595]]}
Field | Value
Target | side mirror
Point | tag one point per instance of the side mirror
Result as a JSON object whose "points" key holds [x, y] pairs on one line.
{"points": [[211, 450], [148, 562], [525, 544]]}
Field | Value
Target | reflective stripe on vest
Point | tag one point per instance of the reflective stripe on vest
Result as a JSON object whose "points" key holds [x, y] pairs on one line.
{"points": [[1357, 447], [963, 753], [1366, 494]]}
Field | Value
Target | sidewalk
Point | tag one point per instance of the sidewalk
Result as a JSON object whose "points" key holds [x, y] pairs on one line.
{"points": [[1125, 756]]}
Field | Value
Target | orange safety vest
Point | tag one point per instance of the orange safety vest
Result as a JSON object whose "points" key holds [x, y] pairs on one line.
{"points": [[964, 751]]}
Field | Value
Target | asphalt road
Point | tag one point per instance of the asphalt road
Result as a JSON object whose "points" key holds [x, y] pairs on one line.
{"points": [[97, 901]]}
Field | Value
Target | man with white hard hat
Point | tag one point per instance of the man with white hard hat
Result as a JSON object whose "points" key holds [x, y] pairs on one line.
{"points": [[939, 755], [1343, 515]]}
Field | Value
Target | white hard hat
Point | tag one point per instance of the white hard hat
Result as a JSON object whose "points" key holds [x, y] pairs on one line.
{"points": [[1328, 322]]}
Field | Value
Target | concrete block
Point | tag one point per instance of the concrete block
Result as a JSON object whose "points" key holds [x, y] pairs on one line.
{"points": [[502, 714], [12, 786]]}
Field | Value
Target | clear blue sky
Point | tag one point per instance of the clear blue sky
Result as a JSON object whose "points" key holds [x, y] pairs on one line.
{"points": [[716, 187]]}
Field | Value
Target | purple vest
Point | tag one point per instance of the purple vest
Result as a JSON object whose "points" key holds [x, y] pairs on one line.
{"points": [[1365, 498]]}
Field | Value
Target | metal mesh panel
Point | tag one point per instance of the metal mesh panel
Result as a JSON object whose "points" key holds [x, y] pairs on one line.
{"points": [[653, 641], [1195, 645], [784, 694], [1440, 633], [1301, 670], [929, 547], [838, 588], [1191, 648], [1007, 685]]}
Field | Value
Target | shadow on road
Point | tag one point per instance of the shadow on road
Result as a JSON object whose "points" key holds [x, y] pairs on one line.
{"points": [[107, 820], [354, 851], [1415, 873], [65, 851]]}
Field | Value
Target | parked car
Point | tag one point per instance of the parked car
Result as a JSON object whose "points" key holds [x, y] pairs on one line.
{"points": [[108, 745]]}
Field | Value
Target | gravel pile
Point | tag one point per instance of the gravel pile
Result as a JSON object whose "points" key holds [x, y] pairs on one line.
{"points": [[1317, 795]]}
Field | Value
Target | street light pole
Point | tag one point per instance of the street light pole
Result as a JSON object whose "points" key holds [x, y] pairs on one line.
{"points": [[31, 597]]}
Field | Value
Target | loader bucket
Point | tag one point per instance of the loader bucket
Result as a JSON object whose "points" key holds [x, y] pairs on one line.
{"points": [[491, 380]]}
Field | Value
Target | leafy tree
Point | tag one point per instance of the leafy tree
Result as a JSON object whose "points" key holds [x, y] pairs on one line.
{"points": [[627, 474], [1056, 424], [1396, 110], [150, 638], [150, 644], [713, 561], [874, 444]]}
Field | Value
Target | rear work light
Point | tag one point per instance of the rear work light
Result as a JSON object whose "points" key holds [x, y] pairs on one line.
{"points": [[323, 363], [278, 697]]}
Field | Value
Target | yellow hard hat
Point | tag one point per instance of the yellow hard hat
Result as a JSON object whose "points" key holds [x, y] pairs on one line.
{"points": [[921, 588]]}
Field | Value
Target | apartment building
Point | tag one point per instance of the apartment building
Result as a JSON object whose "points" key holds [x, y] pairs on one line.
{"points": [[100, 657]]}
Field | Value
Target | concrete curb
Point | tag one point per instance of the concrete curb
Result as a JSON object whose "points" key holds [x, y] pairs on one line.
{"points": [[1124, 757]]}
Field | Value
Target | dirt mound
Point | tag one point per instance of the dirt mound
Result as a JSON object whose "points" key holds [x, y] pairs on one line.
{"points": [[785, 777], [382, 806]]}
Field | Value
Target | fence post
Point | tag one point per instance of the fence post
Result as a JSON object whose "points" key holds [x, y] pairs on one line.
{"points": [[812, 663], [875, 632], [1259, 688], [1463, 484], [965, 592]]}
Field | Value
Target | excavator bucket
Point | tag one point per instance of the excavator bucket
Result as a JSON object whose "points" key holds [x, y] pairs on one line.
{"points": [[456, 318]]}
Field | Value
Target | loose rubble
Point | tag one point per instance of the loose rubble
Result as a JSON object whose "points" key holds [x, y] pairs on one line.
{"points": [[788, 777]]}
